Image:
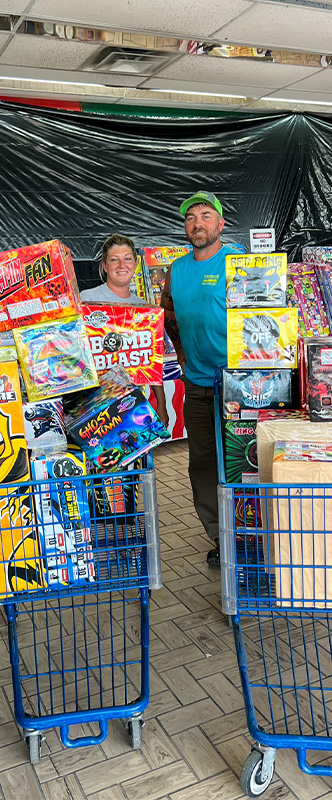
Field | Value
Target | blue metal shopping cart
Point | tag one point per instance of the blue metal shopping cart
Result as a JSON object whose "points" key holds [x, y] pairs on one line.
{"points": [[78, 618], [276, 574]]}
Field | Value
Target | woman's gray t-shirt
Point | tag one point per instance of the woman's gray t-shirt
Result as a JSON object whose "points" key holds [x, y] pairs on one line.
{"points": [[102, 294]]}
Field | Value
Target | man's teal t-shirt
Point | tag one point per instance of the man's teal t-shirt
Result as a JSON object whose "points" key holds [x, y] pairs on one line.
{"points": [[198, 290]]}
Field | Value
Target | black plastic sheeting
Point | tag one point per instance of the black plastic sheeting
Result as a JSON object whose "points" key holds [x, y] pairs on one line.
{"points": [[80, 177]]}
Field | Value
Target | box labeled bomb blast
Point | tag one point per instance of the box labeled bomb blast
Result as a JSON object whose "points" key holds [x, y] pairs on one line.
{"points": [[131, 336], [37, 284], [63, 518]]}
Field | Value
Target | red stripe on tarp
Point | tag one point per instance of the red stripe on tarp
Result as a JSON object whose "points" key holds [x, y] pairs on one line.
{"points": [[65, 105]]}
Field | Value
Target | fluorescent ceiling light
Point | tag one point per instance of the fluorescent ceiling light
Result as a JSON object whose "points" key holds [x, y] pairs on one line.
{"points": [[202, 94], [56, 80], [298, 100]]}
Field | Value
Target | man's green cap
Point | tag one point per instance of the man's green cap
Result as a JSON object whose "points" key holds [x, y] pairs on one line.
{"points": [[201, 197]]}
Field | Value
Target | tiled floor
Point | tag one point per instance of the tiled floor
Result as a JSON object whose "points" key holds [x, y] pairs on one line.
{"points": [[195, 737]]}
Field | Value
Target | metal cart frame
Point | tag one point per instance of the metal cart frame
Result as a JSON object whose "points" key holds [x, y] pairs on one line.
{"points": [[127, 566], [288, 628]]}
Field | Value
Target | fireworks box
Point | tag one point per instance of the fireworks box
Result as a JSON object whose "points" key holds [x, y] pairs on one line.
{"points": [[247, 510], [37, 284], [163, 256], [256, 280], [131, 336], [245, 392], [319, 378], [262, 338], [55, 358], [45, 425], [117, 433], [304, 293], [63, 517], [20, 562], [241, 452], [317, 255], [302, 523]]}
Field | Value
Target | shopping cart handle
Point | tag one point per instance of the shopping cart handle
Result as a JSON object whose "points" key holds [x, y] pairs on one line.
{"points": [[84, 741]]}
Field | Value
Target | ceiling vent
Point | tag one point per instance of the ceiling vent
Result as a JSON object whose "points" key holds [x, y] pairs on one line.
{"points": [[128, 61]]}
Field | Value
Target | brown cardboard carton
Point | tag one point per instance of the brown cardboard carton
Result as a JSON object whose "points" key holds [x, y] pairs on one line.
{"points": [[302, 519]]}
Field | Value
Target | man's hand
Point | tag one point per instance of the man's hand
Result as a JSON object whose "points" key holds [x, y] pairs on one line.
{"points": [[162, 413]]}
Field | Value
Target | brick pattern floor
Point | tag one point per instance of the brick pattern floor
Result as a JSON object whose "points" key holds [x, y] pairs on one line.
{"points": [[195, 738]]}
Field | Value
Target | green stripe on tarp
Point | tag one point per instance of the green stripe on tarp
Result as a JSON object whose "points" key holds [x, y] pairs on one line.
{"points": [[158, 111]]}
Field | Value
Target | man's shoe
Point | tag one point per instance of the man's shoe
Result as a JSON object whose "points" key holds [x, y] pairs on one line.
{"points": [[213, 556]]}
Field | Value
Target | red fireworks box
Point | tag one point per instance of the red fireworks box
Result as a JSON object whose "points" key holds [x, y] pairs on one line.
{"points": [[131, 336], [37, 284]]}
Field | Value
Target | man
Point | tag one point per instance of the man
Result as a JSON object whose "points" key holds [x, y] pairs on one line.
{"points": [[116, 270], [194, 299]]}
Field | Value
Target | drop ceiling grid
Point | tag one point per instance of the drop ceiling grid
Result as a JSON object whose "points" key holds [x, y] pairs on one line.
{"points": [[279, 26], [181, 17]]}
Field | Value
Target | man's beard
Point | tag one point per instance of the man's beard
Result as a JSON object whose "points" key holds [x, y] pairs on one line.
{"points": [[200, 242]]}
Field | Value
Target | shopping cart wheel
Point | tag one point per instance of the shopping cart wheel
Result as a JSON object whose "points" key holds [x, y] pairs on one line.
{"points": [[34, 742], [254, 780], [134, 728]]}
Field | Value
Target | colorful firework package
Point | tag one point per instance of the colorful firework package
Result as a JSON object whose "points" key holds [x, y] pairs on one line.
{"points": [[241, 452], [131, 336], [247, 510], [303, 292], [245, 392], [63, 518], [20, 563], [317, 255], [113, 434], [319, 378], [256, 280], [55, 358], [37, 284], [45, 425], [262, 338]]}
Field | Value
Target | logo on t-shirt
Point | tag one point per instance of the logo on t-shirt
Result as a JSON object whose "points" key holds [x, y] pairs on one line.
{"points": [[210, 279]]}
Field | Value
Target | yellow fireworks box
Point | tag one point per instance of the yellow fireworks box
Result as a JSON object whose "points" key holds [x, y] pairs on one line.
{"points": [[262, 338], [131, 336], [20, 561]]}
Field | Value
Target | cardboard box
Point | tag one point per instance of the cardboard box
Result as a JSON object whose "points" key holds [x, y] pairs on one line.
{"points": [[303, 524], [262, 338], [115, 434], [241, 452], [245, 392], [37, 284], [256, 280], [20, 562], [131, 336], [319, 378], [44, 424], [63, 517], [289, 426]]}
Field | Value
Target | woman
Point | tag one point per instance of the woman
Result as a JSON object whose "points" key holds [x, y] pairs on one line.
{"points": [[116, 270]]}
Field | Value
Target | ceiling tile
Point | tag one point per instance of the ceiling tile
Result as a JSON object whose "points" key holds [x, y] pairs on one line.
{"points": [[283, 26], [321, 81], [191, 86], [53, 53], [229, 70], [182, 17], [13, 6]]}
